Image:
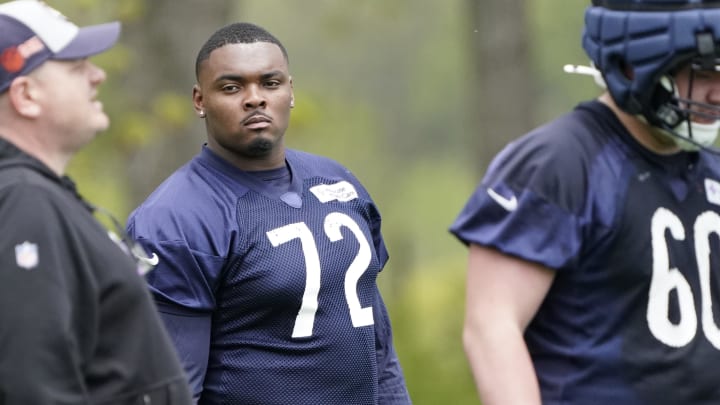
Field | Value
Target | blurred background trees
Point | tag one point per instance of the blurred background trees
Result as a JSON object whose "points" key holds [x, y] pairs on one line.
{"points": [[414, 96]]}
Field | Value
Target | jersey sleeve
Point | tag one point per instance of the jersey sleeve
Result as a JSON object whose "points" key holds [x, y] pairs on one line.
{"points": [[392, 389], [189, 263], [377, 238], [190, 333], [40, 363], [530, 204], [184, 281]]}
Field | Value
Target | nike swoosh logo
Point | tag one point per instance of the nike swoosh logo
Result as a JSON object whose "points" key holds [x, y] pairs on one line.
{"points": [[152, 261], [509, 204]]}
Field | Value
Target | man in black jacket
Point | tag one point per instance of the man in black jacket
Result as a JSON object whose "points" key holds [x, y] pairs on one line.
{"points": [[77, 325]]}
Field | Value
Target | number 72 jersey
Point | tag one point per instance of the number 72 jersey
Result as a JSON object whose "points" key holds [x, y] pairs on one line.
{"points": [[287, 280]]}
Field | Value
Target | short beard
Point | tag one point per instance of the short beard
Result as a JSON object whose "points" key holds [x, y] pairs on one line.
{"points": [[259, 148]]}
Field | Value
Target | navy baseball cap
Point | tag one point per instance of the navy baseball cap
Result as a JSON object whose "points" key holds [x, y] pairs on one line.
{"points": [[32, 32]]}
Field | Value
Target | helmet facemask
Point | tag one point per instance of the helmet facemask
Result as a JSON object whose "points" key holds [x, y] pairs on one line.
{"points": [[691, 124]]}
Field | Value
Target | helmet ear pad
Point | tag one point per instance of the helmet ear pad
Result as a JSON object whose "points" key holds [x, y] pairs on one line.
{"points": [[620, 77]]}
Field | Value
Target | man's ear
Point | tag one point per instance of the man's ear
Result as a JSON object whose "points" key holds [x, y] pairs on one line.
{"points": [[197, 99], [292, 94], [22, 94]]}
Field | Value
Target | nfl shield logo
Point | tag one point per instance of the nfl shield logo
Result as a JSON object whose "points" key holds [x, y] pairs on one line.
{"points": [[26, 255]]}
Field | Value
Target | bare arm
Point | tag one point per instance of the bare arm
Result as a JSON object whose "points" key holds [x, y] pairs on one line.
{"points": [[503, 294]]}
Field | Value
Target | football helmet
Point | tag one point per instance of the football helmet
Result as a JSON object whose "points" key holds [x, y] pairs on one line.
{"points": [[637, 46]]}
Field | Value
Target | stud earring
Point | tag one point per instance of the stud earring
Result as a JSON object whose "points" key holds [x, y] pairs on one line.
{"points": [[202, 114], [292, 103]]}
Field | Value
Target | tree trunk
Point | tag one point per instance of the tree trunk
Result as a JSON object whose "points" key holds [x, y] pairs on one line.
{"points": [[501, 106]]}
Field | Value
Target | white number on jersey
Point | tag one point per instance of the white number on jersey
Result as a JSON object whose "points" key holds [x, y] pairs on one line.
{"points": [[665, 279], [333, 223]]}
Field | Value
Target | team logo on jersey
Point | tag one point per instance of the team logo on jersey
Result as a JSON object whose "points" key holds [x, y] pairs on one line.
{"points": [[26, 255], [712, 191], [341, 191], [143, 262]]}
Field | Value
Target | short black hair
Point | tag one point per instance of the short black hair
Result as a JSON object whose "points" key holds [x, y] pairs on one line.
{"points": [[236, 33]]}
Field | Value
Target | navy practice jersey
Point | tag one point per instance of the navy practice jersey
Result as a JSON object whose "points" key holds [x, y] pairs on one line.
{"points": [[632, 316], [270, 294]]}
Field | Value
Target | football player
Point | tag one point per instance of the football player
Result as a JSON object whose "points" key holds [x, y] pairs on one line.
{"points": [[267, 256], [594, 240]]}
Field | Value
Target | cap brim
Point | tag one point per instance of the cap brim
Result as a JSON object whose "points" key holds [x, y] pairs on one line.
{"points": [[91, 40]]}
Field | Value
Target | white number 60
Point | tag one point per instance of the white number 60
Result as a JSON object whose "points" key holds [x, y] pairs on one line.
{"points": [[665, 279]]}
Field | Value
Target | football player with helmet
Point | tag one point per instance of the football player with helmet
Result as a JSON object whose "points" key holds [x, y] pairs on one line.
{"points": [[594, 240]]}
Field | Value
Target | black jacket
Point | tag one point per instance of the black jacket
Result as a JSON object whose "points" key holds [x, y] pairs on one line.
{"points": [[77, 324]]}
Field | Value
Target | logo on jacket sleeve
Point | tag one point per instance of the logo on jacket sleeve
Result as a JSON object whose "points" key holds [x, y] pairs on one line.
{"points": [[26, 255], [341, 191]]}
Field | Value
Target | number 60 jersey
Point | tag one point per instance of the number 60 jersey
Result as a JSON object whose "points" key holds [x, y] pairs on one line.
{"points": [[633, 314], [270, 292]]}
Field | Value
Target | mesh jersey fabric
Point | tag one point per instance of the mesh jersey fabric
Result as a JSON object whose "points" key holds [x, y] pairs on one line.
{"points": [[621, 226]]}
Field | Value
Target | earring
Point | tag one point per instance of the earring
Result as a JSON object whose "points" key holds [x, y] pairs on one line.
{"points": [[202, 113], [292, 103]]}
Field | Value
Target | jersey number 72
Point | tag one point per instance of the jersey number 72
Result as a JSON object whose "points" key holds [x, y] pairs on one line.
{"points": [[360, 316]]}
